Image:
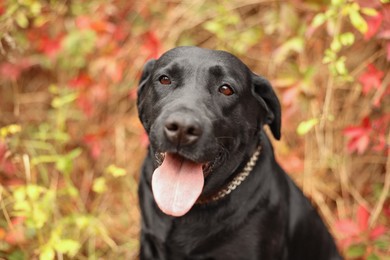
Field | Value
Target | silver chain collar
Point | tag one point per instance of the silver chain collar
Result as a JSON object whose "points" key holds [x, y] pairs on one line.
{"points": [[235, 182]]}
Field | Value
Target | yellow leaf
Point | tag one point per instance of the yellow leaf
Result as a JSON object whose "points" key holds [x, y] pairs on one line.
{"points": [[99, 185], [305, 126]]}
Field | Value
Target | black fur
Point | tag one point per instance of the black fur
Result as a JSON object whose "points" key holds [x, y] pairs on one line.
{"points": [[267, 216]]}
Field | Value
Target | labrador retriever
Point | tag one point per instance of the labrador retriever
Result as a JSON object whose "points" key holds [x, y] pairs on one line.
{"points": [[210, 187]]}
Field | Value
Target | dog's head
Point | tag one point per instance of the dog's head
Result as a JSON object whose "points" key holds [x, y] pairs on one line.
{"points": [[202, 110]]}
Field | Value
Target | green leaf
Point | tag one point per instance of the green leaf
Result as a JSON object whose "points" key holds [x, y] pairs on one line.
{"points": [[44, 159], [47, 253], [214, 27], [22, 208], [82, 222], [305, 126], [74, 153], [99, 185], [39, 216], [382, 244], [330, 56], [318, 20], [17, 255], [35, 8], [295, 44], [64, 164], [347, 38], [72, 191], [340, 67], [355, 251], [76, 46], [19, 193], [373, 257], [369, 11], [337, 2], [34, 192], [68, 246], [116, 171], [64, 100], [22, 20], [358, 21], [10, 130], [335, 45]]}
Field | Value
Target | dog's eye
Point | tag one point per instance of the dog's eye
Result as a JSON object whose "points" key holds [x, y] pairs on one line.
{"points": [[226, 90], [164, 80]]}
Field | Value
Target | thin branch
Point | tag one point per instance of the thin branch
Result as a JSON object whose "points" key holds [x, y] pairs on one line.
{"points": [[385, 192]]}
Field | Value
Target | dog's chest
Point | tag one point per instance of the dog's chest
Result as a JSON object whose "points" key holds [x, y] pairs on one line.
{"points": [[216, 239]]}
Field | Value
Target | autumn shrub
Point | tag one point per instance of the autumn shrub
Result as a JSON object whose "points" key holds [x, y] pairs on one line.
{"points": [[71, 144]]}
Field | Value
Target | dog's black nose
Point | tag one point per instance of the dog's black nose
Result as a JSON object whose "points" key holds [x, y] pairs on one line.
{"points": [[182, 130]]}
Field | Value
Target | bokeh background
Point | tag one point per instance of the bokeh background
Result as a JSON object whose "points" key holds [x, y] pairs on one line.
{"points": [[71, 144]]}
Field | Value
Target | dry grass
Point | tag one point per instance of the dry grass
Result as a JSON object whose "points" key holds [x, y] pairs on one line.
{"points": [[335, 180]]}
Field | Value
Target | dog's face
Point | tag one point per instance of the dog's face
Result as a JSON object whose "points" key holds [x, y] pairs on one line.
{"points": [[201, 109]]}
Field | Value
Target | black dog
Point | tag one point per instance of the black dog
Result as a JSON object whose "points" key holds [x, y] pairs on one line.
{"points": [[210, 187]]}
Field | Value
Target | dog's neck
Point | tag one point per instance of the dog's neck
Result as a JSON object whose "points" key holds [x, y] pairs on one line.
{"points": [[234, 182]]}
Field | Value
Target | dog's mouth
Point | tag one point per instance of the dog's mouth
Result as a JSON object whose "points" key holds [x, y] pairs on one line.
{"points": [[206, 167], [178, 182]]}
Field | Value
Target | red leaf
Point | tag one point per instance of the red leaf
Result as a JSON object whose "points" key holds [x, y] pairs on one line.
{"points": [[380, 144], [10, 71], [378, 100], [6, 166], [99, 26], [80, 81], [292, 162], [2, 234], [347, 228], [50, 46], [93, 141], [151, 46], [120, 33], [384, 32], [102, 26], [85, 104], [3, 150], [15, 237], [369, 3], [18, 220], [354, 131], [377, 232], [370, 79], [359, 136], [381, 126], [290, 95], [386, 210], [99, 92], [358, 144], [133, 94], [362, 218], [144, 140], [373, 23]]}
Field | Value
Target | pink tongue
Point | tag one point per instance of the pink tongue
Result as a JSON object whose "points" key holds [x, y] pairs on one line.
{"points": [[177, 184]]}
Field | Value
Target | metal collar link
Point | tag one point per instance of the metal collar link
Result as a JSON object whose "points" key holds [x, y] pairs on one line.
{"points": [[235, 182]]}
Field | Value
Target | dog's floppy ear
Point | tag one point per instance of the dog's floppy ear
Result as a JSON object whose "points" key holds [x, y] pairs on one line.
{"points": [[263, 92], [147, 71]]}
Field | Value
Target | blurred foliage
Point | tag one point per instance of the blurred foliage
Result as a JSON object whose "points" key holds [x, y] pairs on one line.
{"points": [[71, 144]]}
